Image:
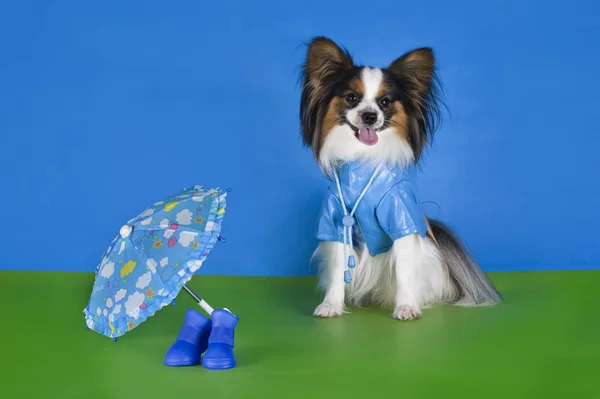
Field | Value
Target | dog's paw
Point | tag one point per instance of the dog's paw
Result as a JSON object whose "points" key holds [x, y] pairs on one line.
{"points": [[327, 309], [406, 312]]}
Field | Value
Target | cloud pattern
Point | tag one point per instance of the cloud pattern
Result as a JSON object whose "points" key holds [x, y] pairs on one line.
{"points": [[186, 238], [168, 233], [120, 295], [108, 269], [164, 223], [133, 303], [147, 213], [184, 217], [146, 222], [144, 280]]}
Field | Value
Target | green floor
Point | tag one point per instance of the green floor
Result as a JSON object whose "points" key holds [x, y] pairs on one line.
{"points": [[542, 342]]}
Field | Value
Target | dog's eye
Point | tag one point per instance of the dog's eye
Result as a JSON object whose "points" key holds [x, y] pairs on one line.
{"points": [[385, 102], [352, 98]]}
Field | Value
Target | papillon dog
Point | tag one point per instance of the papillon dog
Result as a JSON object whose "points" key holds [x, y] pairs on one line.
{"points": [[367, 126]]}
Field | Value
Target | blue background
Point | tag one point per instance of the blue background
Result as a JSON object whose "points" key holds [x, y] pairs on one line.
{"points": [[107, 107]]}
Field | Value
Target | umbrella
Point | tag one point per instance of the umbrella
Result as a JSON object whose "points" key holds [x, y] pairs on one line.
{"points": [[152, 258]]}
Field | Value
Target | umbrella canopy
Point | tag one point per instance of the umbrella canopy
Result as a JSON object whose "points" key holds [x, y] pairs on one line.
{"points": [[152, 257]]}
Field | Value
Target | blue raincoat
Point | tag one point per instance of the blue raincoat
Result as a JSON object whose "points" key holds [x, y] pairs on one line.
{"points": [[390, 208]]}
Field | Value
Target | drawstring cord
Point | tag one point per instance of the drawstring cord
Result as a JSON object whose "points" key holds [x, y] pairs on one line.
{"points": [[348, 222]]}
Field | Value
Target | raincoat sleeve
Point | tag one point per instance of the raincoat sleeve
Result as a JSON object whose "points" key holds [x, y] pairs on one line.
{"points": [[399, 212], [329, 222]]}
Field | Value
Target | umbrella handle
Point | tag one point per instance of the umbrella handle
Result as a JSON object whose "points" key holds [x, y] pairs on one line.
{"points": [[203, 304]]}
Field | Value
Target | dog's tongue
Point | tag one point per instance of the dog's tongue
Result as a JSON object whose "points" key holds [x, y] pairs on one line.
{"points": [[368, 136]]}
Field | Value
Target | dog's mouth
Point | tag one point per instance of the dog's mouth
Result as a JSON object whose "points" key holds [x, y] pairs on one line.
{"points": [[366, 135]]}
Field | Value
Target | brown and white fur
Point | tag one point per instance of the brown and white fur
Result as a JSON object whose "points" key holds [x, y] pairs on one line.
{"points": [[383, 115]]}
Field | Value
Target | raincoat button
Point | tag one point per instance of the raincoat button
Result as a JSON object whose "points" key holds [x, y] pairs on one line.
{"points": [[348, 221]]}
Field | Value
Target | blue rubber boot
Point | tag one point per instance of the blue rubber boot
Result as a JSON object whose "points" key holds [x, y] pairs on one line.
{"points": [[219, 355], [191, 342]]}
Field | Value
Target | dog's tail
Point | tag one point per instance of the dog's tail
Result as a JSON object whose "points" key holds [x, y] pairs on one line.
{"points": [[472, 286]]}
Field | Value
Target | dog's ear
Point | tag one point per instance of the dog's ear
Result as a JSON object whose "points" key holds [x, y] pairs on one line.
{"points": [[324, 65], [324, 60], [415, 73]]}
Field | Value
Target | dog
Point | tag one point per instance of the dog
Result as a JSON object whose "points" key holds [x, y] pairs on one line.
{"points": [[366, 127]]}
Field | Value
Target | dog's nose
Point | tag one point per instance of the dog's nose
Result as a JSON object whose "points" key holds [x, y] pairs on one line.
{"points": [[369, 117]]}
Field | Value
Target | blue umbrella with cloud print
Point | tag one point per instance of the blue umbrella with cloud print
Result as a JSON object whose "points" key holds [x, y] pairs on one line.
{"points": [[152, 258]]}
